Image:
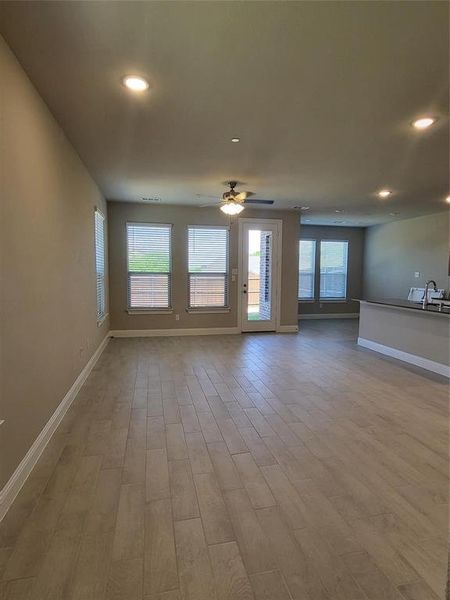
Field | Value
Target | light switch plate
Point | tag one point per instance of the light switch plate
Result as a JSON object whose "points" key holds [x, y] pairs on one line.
{"points": [[417, 274]]}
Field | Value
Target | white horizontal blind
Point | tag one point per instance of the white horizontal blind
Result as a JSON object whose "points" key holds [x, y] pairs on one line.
{"points": [[333, 269], [306, 270], [149, 265], [208, 266], [99, 235]]}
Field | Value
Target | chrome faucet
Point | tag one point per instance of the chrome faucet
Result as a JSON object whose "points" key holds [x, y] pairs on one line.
{"points": [[425, 294]]}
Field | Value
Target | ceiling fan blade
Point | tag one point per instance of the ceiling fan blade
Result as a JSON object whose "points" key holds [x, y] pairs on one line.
{"points": [[243, 195], [254, 201]]}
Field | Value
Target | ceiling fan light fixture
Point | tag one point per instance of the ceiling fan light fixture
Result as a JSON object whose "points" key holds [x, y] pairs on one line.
{"points": [[231, 208]]}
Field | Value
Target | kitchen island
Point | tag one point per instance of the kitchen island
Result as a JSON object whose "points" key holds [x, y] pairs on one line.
{"points": [[407, 331]]}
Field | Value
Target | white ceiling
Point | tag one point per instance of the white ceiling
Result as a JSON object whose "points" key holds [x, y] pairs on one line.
{"points": [[321, 94]]}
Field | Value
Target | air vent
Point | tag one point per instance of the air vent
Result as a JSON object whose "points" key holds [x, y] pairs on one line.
{"points": [[152, 200]]}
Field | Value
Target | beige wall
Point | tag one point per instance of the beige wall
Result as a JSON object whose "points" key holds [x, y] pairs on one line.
{"points": [[395, 251], [48, 298], [355, 237], [181, 216]]}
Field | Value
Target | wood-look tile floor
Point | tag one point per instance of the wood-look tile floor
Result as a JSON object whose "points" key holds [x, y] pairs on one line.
{"points": [[264, 467]]}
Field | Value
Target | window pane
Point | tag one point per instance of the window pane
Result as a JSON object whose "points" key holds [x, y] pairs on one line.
{"points": [[259, 270], [99, 231], [148, 248], [149, 265], [333, 269], [307, 261], [148, 291], [207, 290], [208, 250], [208, 266]]}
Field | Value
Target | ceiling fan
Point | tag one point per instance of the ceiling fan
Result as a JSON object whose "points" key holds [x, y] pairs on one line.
{"points": [[232, 202]]}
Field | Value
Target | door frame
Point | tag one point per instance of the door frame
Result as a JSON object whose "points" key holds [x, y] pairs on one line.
{"points": [[276, 301]]}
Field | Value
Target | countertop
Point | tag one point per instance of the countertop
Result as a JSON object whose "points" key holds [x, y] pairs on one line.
{"points": [[399, 303]]}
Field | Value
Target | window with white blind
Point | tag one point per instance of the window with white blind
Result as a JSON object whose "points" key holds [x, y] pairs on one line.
{"points": [[208, 266], [306, 269], [333, 269], [149, 265], [99, 235]]}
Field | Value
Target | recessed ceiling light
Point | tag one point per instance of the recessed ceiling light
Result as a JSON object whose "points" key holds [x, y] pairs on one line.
{"points": [[304, 207], [424, 122], [384, 193], [394, 214], [338, 210], [135, 83], [448, 199], [235, 140]]}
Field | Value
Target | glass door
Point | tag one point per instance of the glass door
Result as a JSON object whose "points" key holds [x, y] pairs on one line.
{"points": [[259, 274]]}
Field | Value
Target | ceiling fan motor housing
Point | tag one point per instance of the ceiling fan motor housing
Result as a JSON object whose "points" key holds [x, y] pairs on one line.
{"points": [[232, 194]]}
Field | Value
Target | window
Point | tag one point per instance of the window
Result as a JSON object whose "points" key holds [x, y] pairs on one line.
{"points": [[333, 270], [307, 265], [149, 265], [208, 267], [99, 235]]}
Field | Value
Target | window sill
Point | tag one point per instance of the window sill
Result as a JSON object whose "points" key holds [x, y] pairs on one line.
{"points": [[208, 311], [150, 311], [102, 320], [307, 300], [333, 301]]}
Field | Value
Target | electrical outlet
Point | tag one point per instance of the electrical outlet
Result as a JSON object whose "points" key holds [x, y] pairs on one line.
{"points": [[177, 317]]}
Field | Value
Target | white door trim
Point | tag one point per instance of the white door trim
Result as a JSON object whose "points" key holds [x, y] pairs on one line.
{"points": [[279, 264]]}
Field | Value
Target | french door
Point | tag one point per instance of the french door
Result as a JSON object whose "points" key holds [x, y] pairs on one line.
{"points": [[259, 274]]}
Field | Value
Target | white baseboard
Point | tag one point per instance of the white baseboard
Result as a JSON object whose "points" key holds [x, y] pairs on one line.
{"points": [[287, 329], [20, 475], [132, 333], [413, 359], [129, 333], [307, 316]]}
